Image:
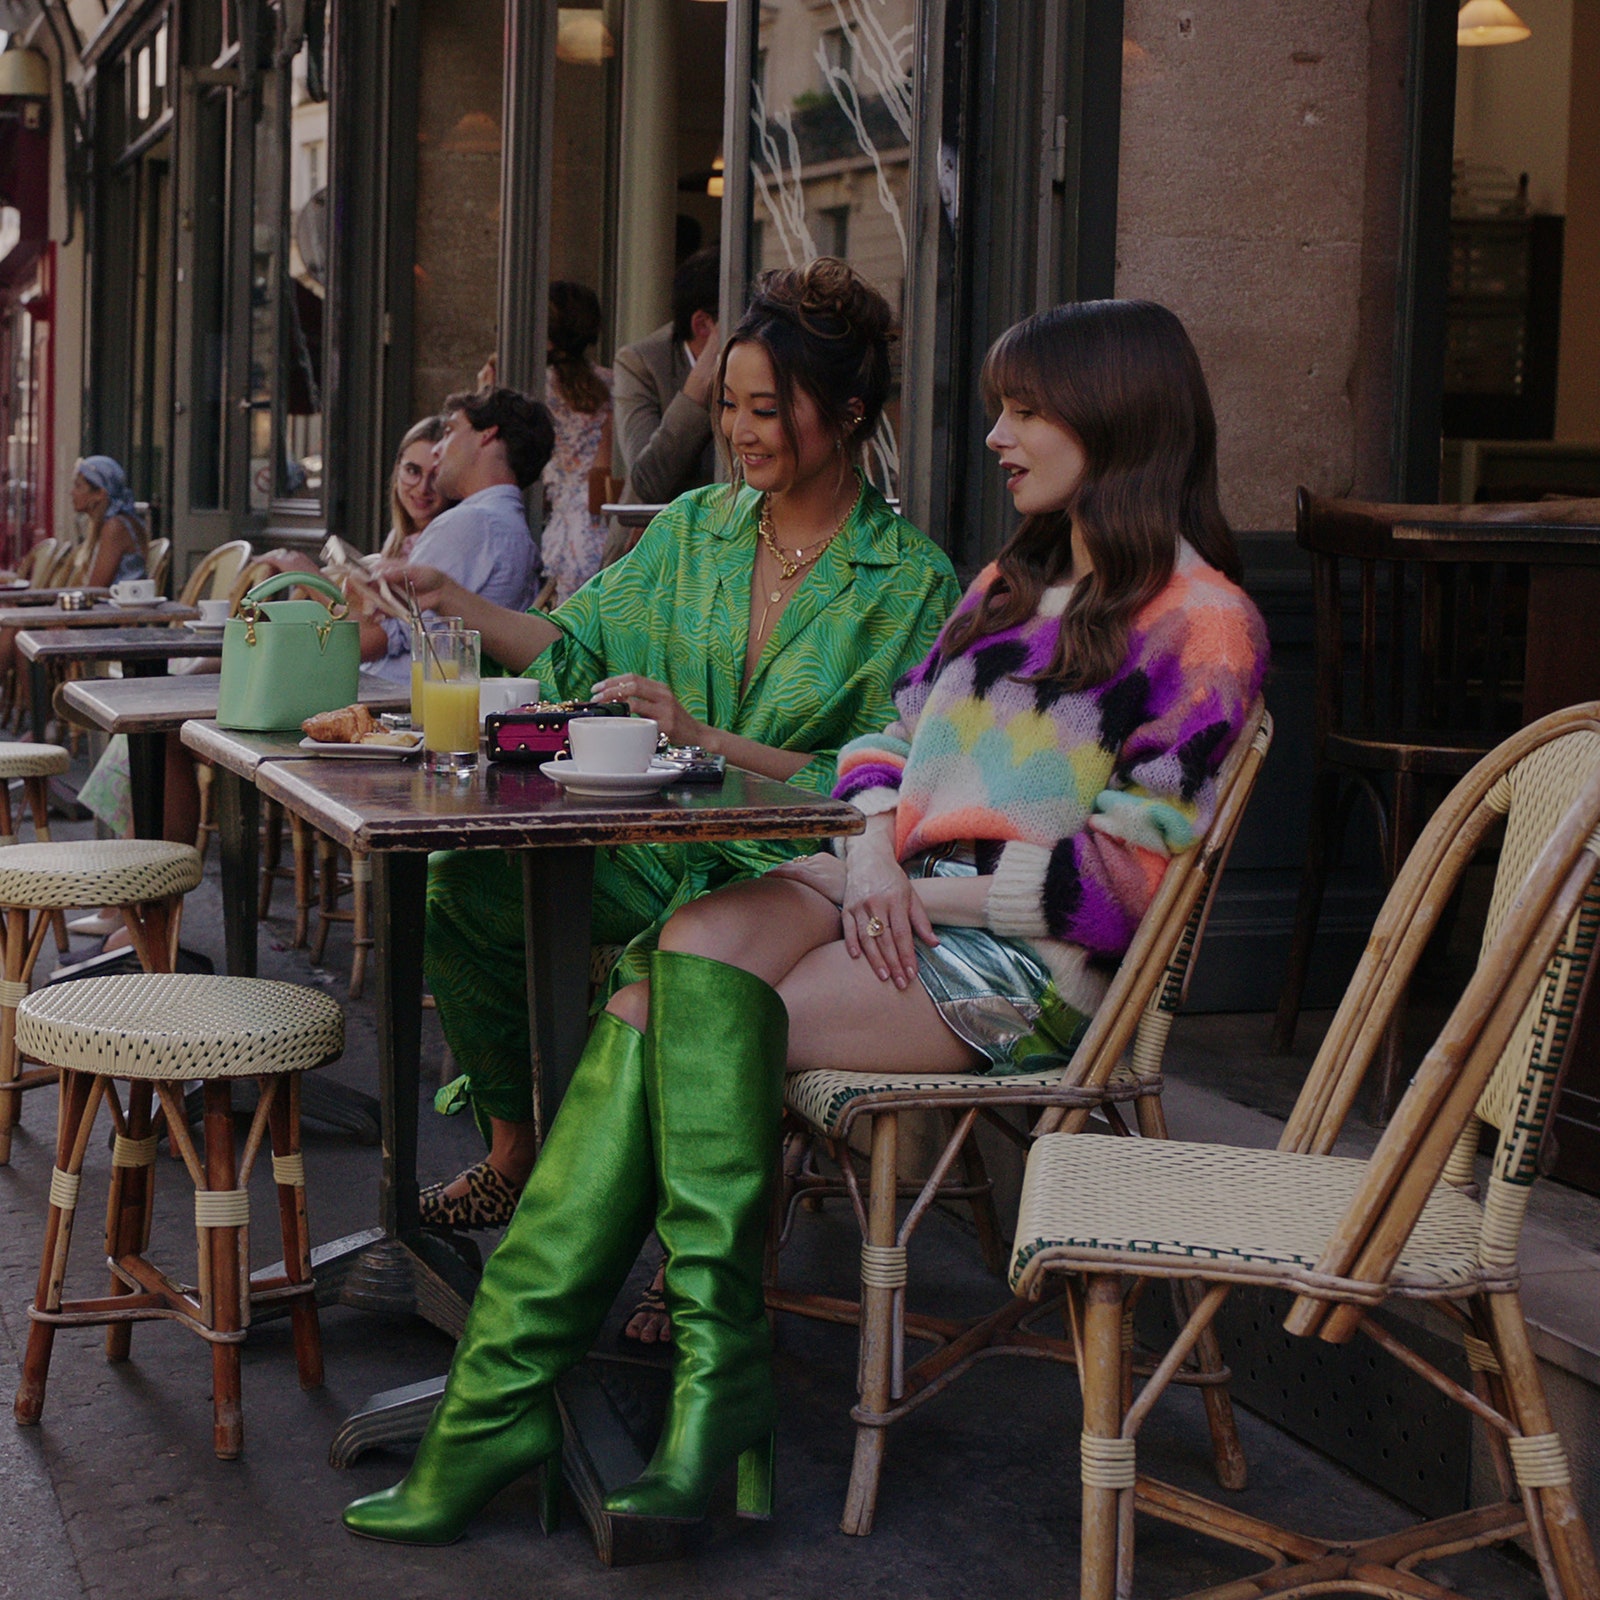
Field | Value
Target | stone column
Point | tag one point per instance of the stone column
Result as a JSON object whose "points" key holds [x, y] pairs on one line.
{"points": [[647, 203]]}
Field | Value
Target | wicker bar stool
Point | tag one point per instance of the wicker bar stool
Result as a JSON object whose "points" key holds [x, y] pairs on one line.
{"points": [[160, 1032], [145, 878], [35, 765]]}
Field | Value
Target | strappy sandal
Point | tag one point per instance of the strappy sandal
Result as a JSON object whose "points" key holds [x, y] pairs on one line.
{"points": [[488, 1203], [651, 1303]]}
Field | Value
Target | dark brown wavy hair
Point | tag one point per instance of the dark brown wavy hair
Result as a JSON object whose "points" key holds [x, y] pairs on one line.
{"points": [[574, 326], [1123, 376], [826, 331]]}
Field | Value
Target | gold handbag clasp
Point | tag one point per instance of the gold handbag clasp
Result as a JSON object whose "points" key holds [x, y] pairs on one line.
{"points": [[335, 614]]}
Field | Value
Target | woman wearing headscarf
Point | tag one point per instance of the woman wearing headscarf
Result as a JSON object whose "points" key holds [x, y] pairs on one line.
{"points": [[114, 542]]}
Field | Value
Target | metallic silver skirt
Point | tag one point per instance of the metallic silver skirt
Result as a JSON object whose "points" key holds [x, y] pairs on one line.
{"points": [[993, 993]]}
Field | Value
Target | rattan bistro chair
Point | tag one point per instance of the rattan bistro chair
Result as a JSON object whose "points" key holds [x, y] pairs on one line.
{"points": [[146, 878], [1138, 1009], [34, 765], [159, 1033], [1344, 1234]]}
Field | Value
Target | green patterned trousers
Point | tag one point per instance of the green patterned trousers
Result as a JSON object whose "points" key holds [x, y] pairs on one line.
{"points": [[475, 959]]}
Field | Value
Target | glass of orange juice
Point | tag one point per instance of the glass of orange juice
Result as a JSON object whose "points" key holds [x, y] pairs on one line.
{"points": [[450, 700], [432, 624]]}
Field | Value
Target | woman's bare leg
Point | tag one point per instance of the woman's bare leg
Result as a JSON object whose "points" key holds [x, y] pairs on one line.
{"points": [[844, 1018], [763, 927]]}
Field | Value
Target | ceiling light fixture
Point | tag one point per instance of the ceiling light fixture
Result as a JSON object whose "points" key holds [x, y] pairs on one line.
{"points": [[1489, 22]]}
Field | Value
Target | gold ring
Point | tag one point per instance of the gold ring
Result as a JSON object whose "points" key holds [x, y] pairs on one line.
{"points": [[874, 927]]}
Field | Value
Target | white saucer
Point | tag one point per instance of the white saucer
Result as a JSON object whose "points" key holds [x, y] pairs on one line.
{"points": [[604, 784], [198, 625], [134, 605], [362, 752]]}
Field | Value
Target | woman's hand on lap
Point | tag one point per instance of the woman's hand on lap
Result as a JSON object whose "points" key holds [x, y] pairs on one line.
{"points": [[647, 698], [877, 891]]}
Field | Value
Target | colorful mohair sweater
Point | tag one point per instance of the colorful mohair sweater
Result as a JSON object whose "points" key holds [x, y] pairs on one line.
{"points": [[1075, 801]]}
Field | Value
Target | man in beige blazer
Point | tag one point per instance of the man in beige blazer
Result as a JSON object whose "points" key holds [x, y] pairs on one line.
{"points": [[661, 393]]}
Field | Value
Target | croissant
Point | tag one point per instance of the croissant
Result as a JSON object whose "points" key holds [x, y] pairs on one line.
{"points": [[346, 726]]}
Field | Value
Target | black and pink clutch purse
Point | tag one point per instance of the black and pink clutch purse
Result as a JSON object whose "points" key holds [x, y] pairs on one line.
{"points": [[530, 735]]}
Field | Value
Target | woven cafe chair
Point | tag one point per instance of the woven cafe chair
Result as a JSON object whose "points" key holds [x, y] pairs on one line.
{"points": [[216, 572], [159, 1033], [34, 765], [38, 559], [1344, 1235], [332, 886], [1139, 1007], [158, 563], [301, 867], [146, 878]]}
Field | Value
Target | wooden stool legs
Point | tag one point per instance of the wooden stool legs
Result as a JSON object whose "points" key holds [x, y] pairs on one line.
{"points": [[129, 1203], [80, 1099], [878, 1305], [140, 1290], [289, 1171], [1103, 1468]]}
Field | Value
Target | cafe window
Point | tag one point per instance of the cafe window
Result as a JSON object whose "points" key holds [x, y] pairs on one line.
{"points": [[148, 94], [288, 280], [830, 167]]}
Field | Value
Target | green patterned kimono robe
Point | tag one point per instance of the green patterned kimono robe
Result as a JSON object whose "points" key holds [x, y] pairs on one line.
{"points": [[677, 609]]}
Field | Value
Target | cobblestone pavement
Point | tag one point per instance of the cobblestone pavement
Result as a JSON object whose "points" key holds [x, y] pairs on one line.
{"points": [[117, 1495]]}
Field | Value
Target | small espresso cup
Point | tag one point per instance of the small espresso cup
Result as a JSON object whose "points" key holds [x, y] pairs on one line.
{"points": [[612, 744], [134, 589], [214, 612], [505, 694]]}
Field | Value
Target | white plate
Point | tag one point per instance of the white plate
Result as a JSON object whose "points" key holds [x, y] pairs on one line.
{"points": [[197, 625], [135, 605], [16, 583], [362, 752], [602, 784]]}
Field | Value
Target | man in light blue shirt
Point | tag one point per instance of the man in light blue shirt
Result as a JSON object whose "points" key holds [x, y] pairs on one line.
{"points": [[496, 443]]}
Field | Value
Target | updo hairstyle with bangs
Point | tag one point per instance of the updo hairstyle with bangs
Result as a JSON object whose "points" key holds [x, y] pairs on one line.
{"points": [[826, 331]]}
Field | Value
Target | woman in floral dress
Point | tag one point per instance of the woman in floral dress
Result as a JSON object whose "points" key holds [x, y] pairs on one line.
{"points": [[579, 397]]}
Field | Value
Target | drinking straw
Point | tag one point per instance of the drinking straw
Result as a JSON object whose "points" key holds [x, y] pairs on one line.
{"points": [[416, 618]]}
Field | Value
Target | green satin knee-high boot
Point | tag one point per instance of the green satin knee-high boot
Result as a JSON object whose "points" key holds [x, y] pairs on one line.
{"points": [[574, 1238], [717, 1046]]}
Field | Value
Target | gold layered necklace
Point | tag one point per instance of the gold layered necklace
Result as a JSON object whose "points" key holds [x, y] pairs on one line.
{"points": [[802, 561], [790, 569]]}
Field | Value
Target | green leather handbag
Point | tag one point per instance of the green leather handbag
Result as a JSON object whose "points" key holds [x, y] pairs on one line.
{"points": [[286, 660]]}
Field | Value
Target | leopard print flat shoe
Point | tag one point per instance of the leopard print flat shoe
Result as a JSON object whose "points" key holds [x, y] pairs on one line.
{"points": [[488, 1203]]}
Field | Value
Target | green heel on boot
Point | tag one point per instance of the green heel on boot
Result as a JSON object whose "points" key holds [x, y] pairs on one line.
{"points": [[582, 1218], [718, 1041]]}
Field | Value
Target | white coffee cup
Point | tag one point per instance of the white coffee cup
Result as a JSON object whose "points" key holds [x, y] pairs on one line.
{"points": [[612, 744], [505, 694], [214, 612], [131, 589]]}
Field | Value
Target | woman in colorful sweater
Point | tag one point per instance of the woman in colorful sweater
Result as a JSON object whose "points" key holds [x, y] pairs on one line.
{"points": [[1058, 746]]}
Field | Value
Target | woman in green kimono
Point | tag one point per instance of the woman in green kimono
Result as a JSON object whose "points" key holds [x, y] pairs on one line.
{"points": [[767, 621]]}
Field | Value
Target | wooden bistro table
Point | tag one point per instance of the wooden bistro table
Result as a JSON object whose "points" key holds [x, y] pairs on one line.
{"points": [[398, 814], [148, 709], [47, 622], [28, 596]]}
